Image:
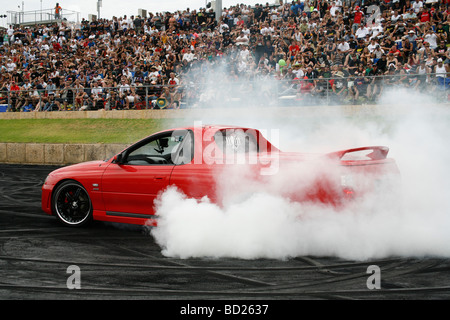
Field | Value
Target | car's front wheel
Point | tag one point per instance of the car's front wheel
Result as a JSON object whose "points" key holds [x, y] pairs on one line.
{"points": [[72, 204]]}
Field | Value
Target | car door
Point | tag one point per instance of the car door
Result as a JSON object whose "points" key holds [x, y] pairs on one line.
{"points": [[132, 182]]}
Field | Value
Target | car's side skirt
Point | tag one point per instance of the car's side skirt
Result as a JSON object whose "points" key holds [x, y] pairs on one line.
{"points": [[129, 215], [125, 217]]}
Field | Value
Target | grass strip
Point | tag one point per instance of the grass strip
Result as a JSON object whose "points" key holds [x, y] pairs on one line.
{"points": [[81, 130]]}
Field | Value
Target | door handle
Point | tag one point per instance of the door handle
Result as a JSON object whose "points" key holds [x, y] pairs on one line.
{"points": [[159, 178]]}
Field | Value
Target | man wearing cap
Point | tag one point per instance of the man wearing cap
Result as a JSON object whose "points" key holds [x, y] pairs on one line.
{"points": [[357, 19], [51, 87], [10, 65], [410, 15], [442, 71], [411, 36], [441, 50]]}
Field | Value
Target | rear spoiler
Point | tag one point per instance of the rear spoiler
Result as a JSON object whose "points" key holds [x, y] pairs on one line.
{"points": [[378, 152]]}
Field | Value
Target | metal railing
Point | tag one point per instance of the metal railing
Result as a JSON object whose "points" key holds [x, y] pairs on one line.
{"points": [[45, 16], [354, 90]]}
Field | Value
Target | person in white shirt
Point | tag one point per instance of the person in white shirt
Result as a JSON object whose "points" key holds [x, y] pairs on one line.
{"points": [[127, 73], [124, 88], [45, 46], [189, 55], [244, 53], [10, 65], [96, 92], [334, 9], [343, 46], [410, 15], [246, 31], [376, 30], [417, 5], [131, 22], [10, 33], [378, 53], [124, 23], [154, 74], [266, 30], [395, 16], [361, 32], [242, 39], [298, 71], [372, 45], [224, 27], [431, 38]]}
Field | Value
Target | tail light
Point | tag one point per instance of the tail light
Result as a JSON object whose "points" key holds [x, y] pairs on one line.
{"points": [[349, 193]]}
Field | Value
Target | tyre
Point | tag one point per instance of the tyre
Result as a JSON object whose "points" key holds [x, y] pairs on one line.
{"points": [[71, 204]]}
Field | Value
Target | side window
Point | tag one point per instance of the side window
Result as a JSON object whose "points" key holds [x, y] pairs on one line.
{"points": [[185, 152], [161, 149], [235, 141]]}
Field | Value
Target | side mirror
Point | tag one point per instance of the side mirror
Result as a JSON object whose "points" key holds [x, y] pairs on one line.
{"points": [[118, 158], [164, 142]]}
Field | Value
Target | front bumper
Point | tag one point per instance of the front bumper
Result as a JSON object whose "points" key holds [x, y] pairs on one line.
{"points": [[46, 200]]}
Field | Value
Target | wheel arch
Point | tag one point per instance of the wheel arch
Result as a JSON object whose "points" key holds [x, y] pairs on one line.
{"points": [[55, 187]]}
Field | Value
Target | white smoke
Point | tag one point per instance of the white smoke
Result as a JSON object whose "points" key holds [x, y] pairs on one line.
{"points": [[263, 221]]}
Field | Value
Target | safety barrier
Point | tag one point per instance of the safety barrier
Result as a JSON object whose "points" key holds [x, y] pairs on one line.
{"points": [[56, 154], [354, 90]]}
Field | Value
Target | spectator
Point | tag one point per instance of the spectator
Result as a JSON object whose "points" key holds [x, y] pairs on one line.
{"points": [[51, 104], [357, 20], [58, 10], [242, 39], [431, 37], [442, 71], [417, 5]]}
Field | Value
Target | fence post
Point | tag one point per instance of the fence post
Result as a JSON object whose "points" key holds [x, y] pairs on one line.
{"points": [[9, 101], [146, 97], [328, 98]]}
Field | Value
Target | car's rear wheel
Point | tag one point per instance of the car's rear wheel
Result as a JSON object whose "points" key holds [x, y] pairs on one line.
{"points": [[72, 204]]}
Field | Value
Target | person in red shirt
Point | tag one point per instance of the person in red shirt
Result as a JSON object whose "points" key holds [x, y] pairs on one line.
{"points": [[359, 15], [13, 96], [56, 46], [425, 15], [14, 86], [294, 48], [394, 50], [305, 89]]}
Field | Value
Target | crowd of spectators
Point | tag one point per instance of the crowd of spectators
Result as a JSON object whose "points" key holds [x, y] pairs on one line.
{"points": [[346, 50]]}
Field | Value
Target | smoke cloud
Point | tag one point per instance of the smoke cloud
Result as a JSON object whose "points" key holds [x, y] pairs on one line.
{"points": [[262, 221]]}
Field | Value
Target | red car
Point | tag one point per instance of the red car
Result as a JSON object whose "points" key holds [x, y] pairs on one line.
{"points": [[123, 188]]}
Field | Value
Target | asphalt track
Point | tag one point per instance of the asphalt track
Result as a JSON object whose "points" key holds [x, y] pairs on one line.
{"points": [[124, 262]]}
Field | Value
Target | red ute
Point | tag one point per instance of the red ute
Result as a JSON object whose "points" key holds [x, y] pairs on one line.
{"points": [[195, 159]]}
